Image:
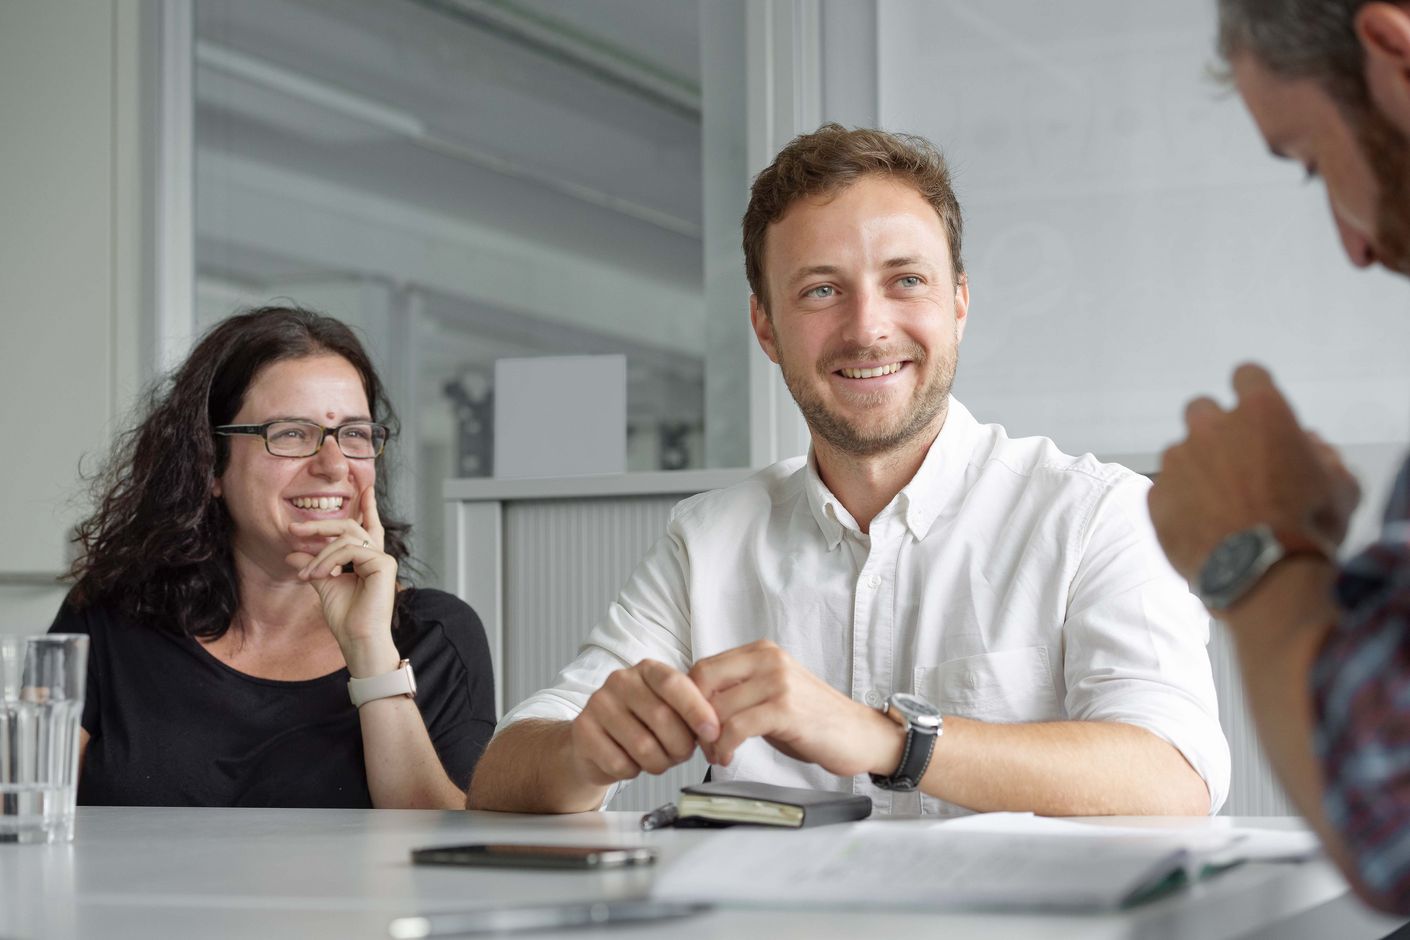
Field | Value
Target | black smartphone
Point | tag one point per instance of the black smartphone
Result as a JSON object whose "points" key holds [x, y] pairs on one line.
{"points": [[513, 855]]}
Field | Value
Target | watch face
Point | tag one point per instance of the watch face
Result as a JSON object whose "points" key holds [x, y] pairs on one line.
{"points": [[1230, 560], [916, 709]]}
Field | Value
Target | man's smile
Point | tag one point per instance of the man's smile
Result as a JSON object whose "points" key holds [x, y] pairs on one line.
{"points": [[871, 372], [870, 377]]}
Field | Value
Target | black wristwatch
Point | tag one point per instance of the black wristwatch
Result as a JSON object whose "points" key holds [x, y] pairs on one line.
{"points": [[1236, 565], [923, 725]]}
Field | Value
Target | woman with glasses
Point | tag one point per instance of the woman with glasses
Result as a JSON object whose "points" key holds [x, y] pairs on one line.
{"points": [[251, 643]]}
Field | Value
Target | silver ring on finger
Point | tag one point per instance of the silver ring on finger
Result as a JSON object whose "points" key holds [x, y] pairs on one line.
{"points": [[366, 542]]}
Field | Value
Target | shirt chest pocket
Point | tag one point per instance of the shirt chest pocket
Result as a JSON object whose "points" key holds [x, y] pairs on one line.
{"points": [[1007, 686]]}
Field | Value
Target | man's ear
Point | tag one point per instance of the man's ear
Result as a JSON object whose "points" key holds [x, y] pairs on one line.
{"points": [[1384, 31], [961, 306], [763, 328]]}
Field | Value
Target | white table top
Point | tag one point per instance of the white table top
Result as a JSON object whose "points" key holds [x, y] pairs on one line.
{"points": [[153, 872]]}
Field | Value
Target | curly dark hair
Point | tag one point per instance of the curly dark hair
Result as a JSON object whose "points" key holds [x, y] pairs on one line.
{"points": [[158, 545]]}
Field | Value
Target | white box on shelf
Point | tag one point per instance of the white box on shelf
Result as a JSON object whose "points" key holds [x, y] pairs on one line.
{"points": [[557, 416]]}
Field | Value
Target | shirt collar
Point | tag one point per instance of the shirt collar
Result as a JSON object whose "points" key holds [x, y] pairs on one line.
{"points": [[825, 506], [942, 472], [939, 476]]}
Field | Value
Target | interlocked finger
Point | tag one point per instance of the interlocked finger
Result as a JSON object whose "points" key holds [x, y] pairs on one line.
{"points": [[634, 738]]}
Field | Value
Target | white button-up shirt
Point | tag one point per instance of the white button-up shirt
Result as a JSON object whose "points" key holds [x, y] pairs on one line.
{"points": [[1007, 582]]}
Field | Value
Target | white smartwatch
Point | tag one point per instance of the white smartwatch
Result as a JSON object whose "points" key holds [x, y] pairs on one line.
{"points": [[400, 681]]}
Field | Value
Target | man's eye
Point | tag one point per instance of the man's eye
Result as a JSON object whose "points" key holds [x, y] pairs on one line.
{"points": [[822, 291], [910, 280]]}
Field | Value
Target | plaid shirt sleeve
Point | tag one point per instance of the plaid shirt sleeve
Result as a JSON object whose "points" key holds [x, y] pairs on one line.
{"points": [[1361, 696]]}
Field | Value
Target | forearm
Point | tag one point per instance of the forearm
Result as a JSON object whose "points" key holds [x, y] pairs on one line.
{"points": [[1068, 768], [530, 767], [1278, 631], [403, 769]]}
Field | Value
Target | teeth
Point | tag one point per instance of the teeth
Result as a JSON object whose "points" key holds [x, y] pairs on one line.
{"points": [[319, 502], [872, 373]]}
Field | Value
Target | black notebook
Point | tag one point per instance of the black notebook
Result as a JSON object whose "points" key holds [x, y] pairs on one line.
{"points": [[740, 802]]}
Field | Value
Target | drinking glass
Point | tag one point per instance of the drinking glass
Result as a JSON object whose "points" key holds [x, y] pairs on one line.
{"points": [[41, 703]]}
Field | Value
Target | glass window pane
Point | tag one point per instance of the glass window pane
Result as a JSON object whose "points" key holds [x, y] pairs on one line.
{"points": [[473, 182]]}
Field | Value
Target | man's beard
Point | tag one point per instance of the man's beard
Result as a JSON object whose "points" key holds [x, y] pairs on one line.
{"points": [[865, 438], [1385, 149]]}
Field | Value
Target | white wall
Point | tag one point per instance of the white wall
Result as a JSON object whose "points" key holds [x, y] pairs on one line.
{"points": [[72, 263], [1129, 240]]}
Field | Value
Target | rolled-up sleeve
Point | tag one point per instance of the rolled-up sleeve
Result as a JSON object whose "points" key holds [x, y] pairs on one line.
{"points": [[1135, 639], [650, 619]]}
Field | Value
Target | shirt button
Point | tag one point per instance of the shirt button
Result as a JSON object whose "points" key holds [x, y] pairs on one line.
{"points": [[872, 698], [874, 581]]}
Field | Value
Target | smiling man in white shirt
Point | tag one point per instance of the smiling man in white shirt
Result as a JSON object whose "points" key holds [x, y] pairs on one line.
{"points": [[923, 610]]}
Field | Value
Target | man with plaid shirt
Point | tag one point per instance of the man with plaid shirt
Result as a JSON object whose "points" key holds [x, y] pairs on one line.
{"points": [[1252, 509]]}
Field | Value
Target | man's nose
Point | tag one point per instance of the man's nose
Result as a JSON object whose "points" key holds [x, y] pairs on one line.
{"points": [[868, 319], [1358, 247]]}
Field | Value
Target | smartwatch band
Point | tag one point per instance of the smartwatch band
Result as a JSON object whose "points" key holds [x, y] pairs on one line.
{"points": [[399, 681]]}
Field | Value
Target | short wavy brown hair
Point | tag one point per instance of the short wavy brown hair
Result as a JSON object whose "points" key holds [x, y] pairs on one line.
{"points": [[832, 158]]}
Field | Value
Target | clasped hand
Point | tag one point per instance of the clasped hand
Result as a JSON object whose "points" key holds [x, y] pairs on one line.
{"points": [[651, 717]]}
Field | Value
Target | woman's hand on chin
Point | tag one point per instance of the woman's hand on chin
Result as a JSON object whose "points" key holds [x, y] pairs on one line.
{"points": [[357, 605]]}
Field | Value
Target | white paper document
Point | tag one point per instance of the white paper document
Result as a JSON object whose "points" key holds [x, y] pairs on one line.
{"points": [[996, 863], [1212, 841]]}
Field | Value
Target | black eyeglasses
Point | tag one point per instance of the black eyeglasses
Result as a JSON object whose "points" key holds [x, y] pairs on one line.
{"points": [[360, 440]]}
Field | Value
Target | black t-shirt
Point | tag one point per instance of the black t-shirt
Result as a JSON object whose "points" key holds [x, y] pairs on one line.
{"points": [[172, 725]]}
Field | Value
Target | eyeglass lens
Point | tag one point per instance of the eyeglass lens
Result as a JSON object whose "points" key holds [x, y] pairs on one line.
{"points": [[302, 439]]}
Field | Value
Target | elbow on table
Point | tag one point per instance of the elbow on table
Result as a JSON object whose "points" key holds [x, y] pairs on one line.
{"points": [[1196, 791], [503, 797], [497, 787], [1192, 798], [1185, 795], [1182, 790], [1390, 894], [1393, 900], [1363, 827], [483, 793]]}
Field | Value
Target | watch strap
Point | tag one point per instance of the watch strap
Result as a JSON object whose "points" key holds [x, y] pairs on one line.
{"points": [[400, 681], [1218, 592], [916, 752]]}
